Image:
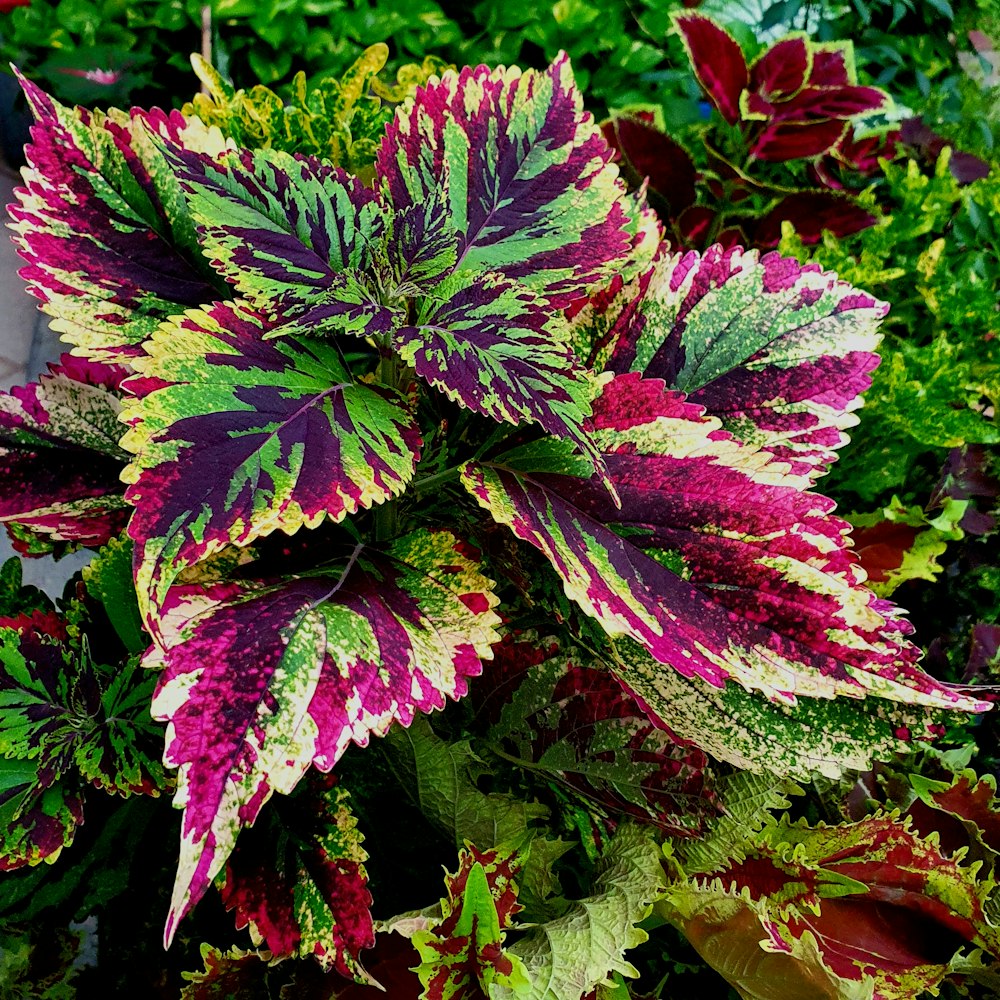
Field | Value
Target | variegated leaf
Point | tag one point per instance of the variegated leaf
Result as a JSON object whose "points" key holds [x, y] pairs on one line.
{"points": [[236, 436], [462, 955], [277, 227], [259, 684], [312, 899], [779, 351], [496, 348], [526, 177], [102, 224], [59, 457], [717, 563]]}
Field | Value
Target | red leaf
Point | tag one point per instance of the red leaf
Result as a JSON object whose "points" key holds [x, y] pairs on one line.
{"points": [[831, 66], [781, 70], [717, 60], [792, 141], [811, 213], [647, 152], [814, 103]]}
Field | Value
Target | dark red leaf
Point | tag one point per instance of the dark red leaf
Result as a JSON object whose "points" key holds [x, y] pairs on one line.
{"points": [[792, 141], [812, 212], [781, 70], [717, 60]]}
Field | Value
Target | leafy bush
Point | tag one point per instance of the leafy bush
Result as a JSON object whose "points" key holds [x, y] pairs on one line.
{"points": [[464, 460]]}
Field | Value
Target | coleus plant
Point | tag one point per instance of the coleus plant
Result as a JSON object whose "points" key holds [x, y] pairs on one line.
{"points": [[466, 427], [783, 147]]}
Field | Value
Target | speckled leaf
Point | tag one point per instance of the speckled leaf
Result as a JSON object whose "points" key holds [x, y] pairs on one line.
{"points": [[566, 716], [293, 674], [717, 563], [496, 348], [462, 955], [277, 227], [310, 899], [525, 172], [59, 457], [571, 955], [101, 222], [796, 741], [779, 351], [236, 436]]}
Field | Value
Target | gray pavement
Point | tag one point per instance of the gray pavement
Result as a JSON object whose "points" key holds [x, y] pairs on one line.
{"points": [[26, 344]]}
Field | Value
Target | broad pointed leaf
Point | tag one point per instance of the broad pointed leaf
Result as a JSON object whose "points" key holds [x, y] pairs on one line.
{"points": [[780, 352], [101, 222], [716, 563], [59, 457], [236, 436], [462, 955], [312, 899], [566, 716], [717, 60], [571, 955], [262, 683], [525, 174]]}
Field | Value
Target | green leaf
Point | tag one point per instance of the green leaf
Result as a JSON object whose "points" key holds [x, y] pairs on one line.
{"points": [[571, 955], [109, 578], [439, 777]]}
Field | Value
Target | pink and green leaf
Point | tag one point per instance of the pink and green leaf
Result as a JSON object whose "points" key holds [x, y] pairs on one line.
{"points": [[101, 222], [311, 900], [59, 455], [524, 173], [780, 352], [236, 436], [754, 580], [291, 675]]}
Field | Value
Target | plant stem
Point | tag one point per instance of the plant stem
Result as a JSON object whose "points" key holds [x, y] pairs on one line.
{"points": [[439, 477]]}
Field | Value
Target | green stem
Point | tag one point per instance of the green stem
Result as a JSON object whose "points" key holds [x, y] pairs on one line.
{"points": [[421, 485]]}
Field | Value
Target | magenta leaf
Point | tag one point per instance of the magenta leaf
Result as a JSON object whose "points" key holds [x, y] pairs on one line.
{"points": [[101, 222], [60, 458], [717, 563], [292, 674]]}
